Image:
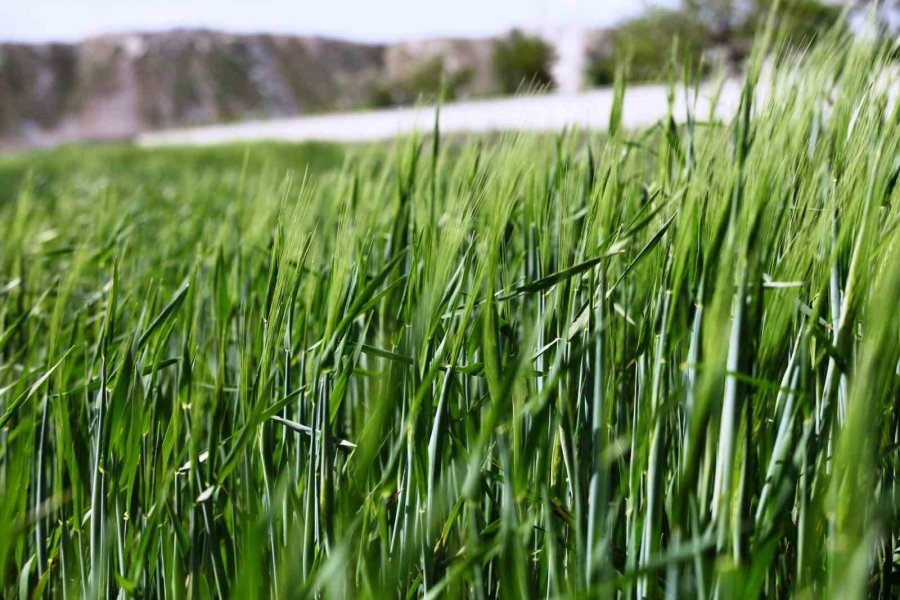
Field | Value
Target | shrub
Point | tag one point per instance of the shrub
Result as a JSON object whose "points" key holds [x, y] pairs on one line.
{"points": [[699, 27], [800, 22], [647, 41], [521, 59], [423, 83]]}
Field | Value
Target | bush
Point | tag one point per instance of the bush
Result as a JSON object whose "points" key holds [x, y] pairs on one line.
{"points": [[423, 83], [701, 26], [521, 59], [647, 41], [799, 22]]}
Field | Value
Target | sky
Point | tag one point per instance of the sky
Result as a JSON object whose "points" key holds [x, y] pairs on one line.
{"points": [[363, 20]]}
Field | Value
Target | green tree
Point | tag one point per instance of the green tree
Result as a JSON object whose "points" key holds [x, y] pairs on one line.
{"points": [[647, 42], [731, 21], [800, 22], [720, 17], [521, 59], [426, 82]]}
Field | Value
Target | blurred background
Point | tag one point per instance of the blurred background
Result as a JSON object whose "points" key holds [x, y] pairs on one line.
{"points": [[101, 70]]}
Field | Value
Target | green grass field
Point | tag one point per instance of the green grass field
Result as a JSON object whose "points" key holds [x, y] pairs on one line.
{"points": [[652, 364]]}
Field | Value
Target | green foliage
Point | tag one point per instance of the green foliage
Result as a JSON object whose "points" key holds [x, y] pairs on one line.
{"points": [[427, 82], [800, 22], [522, 60], [646, 43], [720, 17], [661, 364]]}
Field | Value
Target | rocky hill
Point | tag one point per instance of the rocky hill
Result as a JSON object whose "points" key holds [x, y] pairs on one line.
{"points": [[116, 86], [113, 87]]}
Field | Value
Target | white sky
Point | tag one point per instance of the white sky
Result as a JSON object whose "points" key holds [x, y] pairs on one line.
{"points": [[369, 20]]}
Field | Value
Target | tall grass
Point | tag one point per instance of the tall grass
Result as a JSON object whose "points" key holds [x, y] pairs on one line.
{"points": [[666, 363]]}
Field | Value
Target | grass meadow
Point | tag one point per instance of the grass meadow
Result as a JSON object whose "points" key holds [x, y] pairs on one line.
{"points": [[660, 363]]}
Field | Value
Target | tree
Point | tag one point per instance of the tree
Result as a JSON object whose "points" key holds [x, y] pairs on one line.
{"points": [[733, 24], [521, 59], [720, 17], [646, 42], [726, 18], [798, 22], [427, 82]]}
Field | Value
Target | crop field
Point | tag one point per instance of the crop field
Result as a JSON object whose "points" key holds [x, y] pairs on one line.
{"points": [[657, 363]]}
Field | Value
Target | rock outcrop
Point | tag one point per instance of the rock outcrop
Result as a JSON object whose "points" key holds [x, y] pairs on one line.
{"points": [[113, 87]]}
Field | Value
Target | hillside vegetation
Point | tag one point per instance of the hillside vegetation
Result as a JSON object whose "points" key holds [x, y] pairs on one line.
{"points": [[663, 363]]}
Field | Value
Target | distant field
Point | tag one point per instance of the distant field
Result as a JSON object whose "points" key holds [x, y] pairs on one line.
{"points": [[664, 363], [126, 168]]}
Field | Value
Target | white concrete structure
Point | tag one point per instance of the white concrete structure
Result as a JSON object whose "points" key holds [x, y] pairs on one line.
{"points": [[644, 105], [569, 42]]}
